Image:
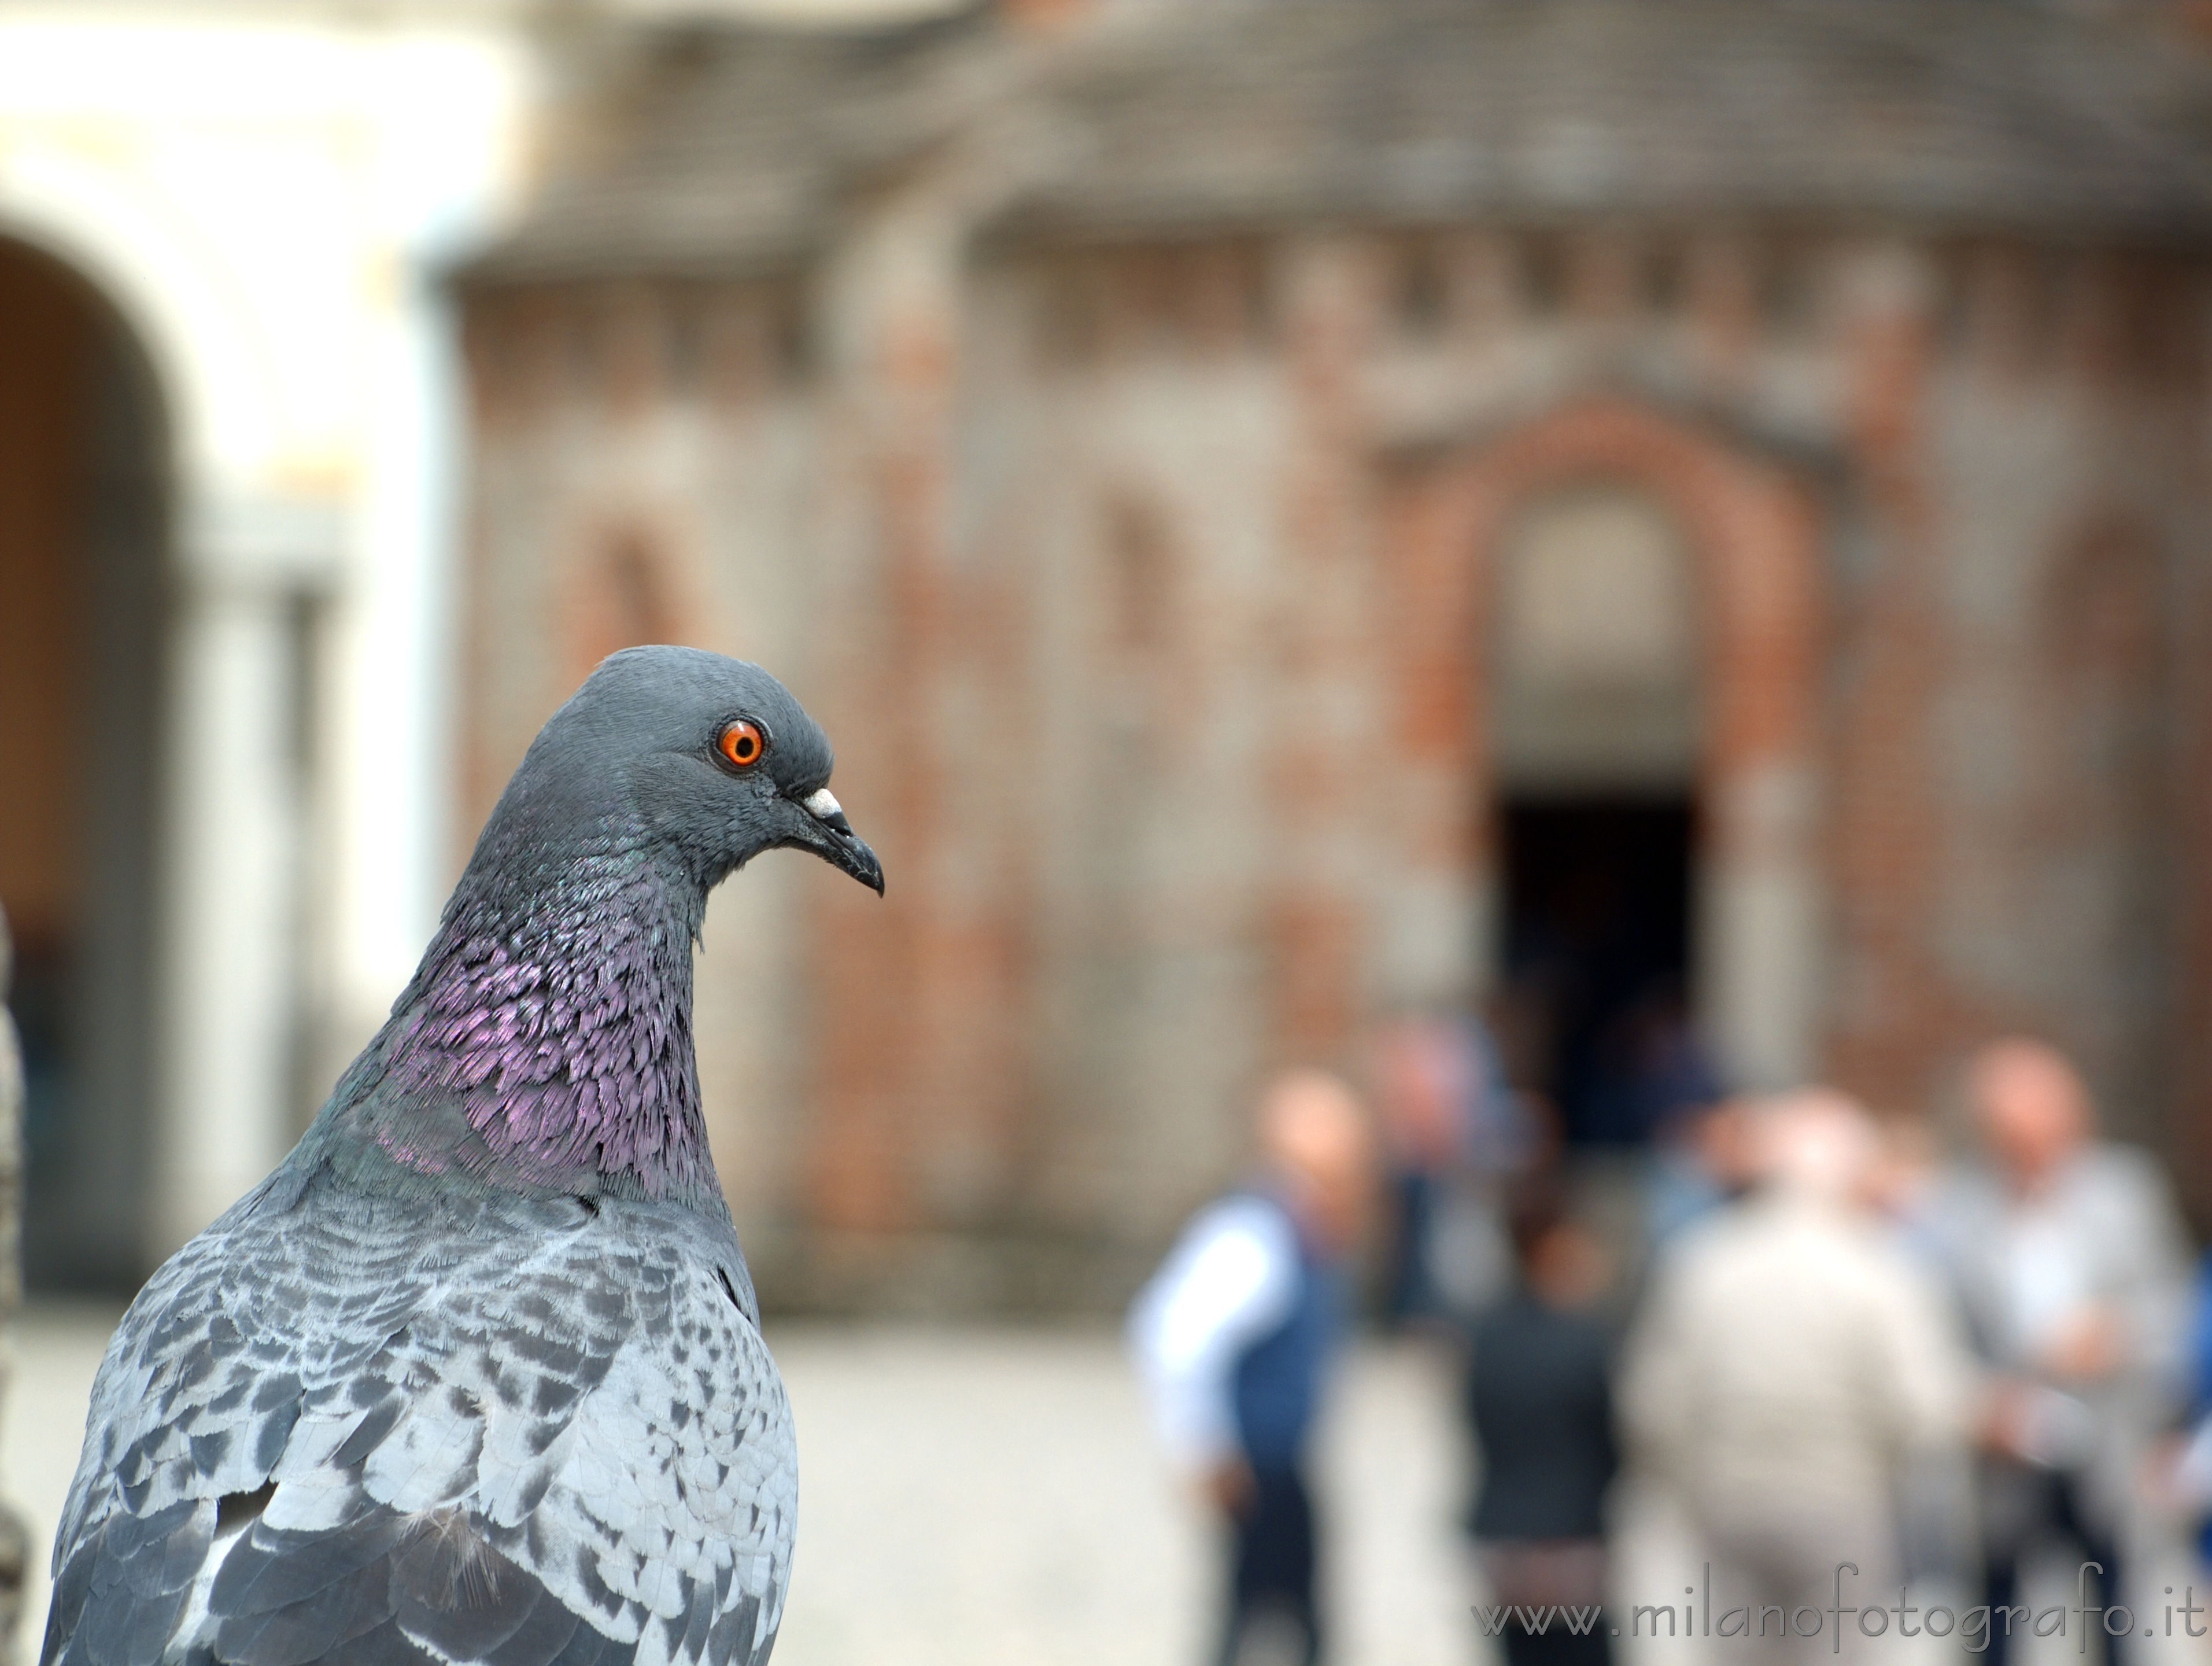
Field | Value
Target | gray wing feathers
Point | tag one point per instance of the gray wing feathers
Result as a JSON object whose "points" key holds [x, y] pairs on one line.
{"points": [[524, 1443]]}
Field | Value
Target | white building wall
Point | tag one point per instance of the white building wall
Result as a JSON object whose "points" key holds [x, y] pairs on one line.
{"points": [[267, 194]]}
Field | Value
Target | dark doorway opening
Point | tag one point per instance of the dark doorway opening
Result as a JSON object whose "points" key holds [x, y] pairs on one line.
{"points": [[82, 542], [1595, 1007]]}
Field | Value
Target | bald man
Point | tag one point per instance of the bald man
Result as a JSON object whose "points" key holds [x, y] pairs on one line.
{"points": [[2070, 1259], [1790, 1365], [1235, 1337]]}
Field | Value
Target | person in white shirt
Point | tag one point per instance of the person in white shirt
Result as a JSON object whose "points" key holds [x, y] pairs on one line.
{"points": [[1235, 1336], [2071, 1263]]}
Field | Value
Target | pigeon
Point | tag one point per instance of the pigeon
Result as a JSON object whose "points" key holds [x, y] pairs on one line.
{"points": [[477, 1375]]}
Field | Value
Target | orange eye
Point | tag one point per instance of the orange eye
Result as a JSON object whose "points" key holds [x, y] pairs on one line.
{"points": [[742, 744]]}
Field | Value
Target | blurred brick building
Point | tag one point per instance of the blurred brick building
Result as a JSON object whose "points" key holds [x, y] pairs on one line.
{"points": [[1300, 510]]}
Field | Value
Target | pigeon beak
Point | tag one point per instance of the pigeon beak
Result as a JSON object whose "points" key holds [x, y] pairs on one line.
{"points": [[832, 838]]}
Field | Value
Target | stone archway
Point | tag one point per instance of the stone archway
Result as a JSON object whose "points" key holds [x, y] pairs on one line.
{"points": [[1753, 536], [244, 557], [83, 550]]}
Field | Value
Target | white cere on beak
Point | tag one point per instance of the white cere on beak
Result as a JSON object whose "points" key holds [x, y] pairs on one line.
{"points": [[822, 804]]}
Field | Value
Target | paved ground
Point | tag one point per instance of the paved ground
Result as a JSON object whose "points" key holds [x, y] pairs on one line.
{"points": [[990, 1497]]}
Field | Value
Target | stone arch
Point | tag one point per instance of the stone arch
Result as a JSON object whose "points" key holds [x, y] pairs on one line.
{"points": [[196, 332], [240, 561], [1752, 537], [84, 549]]}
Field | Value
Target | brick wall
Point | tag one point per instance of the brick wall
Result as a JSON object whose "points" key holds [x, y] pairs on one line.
{"points": [[1144, 592]]}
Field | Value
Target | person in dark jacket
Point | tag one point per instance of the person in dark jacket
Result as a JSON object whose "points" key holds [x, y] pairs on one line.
{"points": [[1539, 1403], [1235, 1337]]}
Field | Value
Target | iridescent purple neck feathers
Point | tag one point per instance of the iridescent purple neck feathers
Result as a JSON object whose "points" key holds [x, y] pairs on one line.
{"points": [[553, 1011]]}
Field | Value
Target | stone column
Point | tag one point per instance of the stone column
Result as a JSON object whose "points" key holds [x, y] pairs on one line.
{"points": [[231, 881]]}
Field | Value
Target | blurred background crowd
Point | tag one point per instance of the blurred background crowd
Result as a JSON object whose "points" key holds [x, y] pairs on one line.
{"points": [[1824, 1347], [1617, 585]]}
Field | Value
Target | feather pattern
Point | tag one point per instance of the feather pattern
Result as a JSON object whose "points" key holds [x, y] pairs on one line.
{"points": [[518, 1430]]}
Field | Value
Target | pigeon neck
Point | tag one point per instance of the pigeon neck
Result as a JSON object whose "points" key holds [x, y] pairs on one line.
{"points": [[553, 1011]]}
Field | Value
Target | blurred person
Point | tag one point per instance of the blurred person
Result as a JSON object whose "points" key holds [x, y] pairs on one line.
{"points": [[1703, 1160], [1905, 1186], [1791, 1358], [1934, 1499], [1235, 1335], [2181, 1469], [1539, 1406], [1653, 1068], [2067, 1255], [1424, 1072], [1451, 1126], [2196, 1466]]}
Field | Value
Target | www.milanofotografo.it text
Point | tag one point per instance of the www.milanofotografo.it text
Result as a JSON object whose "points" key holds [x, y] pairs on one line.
{"points": [[1974, 1627]]}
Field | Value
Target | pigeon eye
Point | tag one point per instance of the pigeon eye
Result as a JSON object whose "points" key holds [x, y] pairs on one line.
{"points": [[741, 744]]}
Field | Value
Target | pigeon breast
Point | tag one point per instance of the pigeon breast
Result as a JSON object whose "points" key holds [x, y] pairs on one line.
{"points": [[523, 1431]]}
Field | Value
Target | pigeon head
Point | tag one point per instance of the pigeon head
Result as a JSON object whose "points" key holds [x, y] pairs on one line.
{"points": [[707, 757], [545, 1041]]}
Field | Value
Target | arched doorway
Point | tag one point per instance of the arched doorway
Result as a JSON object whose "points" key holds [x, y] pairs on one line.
{"points": [[82, 542], [1596, 707], [1664, 568]]}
